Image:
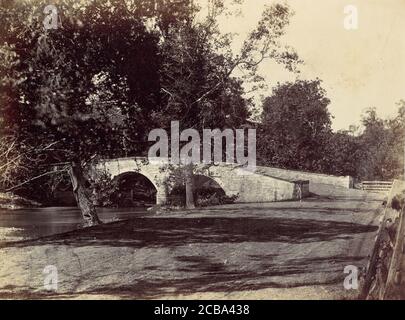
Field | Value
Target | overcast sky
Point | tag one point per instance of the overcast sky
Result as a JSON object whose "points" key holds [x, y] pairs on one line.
{"points": [[360, 68]]}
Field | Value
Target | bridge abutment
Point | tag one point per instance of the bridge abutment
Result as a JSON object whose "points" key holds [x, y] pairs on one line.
{"points": [[161, 197]]}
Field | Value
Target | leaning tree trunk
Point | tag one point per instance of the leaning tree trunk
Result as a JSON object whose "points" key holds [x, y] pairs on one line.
{"points": [[189, 188], [84, 202]]}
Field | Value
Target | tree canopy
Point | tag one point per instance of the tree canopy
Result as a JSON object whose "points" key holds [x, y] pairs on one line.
{"points": [[295, 126], [296, 133], [111, 71]]}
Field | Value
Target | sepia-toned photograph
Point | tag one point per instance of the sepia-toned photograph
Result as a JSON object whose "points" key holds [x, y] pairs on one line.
{"points": [[221, 150]]}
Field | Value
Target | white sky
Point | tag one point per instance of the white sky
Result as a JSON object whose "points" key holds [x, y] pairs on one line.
{"points": [[360, 68]]}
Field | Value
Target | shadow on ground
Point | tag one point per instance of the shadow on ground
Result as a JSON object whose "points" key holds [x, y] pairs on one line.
{"points": [[213, 277], [223, 250], [171, 232]]}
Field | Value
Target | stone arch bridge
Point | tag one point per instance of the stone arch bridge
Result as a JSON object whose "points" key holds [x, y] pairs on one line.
{"points": [[257, 186]]}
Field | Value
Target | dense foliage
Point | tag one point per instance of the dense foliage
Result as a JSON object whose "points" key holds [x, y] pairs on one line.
{"points": [[111, 71], [296, 133]]}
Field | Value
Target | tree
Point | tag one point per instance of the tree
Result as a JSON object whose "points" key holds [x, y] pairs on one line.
{"points": [[383, 145], [374, 153], [198, 67], [77, 87], [112, 71], [342, 154], [395, 160], [295, 126]]}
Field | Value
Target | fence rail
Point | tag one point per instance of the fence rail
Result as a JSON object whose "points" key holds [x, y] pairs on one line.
{"points": [[384, 277], [377, 186]]}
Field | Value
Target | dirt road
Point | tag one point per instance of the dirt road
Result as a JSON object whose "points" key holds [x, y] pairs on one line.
{"points": [[283, 250]]}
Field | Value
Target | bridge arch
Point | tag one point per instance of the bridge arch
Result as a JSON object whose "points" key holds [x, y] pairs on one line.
{"points": [[208, 190], [135, 187], [206, 181]]}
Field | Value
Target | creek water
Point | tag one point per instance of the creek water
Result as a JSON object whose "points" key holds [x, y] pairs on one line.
{"points": [[38, 222]]}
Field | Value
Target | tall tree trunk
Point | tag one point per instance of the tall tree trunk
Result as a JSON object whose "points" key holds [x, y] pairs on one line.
{"points": [[189, 188], [84, 202]]}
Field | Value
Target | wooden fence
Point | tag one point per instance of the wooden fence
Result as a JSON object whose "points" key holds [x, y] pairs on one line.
{"points": [[377, 186], [384, 277]]}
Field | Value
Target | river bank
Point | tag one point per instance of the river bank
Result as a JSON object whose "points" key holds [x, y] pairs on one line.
{"points": [[12, 201]]}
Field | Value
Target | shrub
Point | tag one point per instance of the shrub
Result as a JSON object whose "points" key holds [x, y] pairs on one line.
{"points": [[104, 189], [212, 196], [398, 201], [203, 197]]}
